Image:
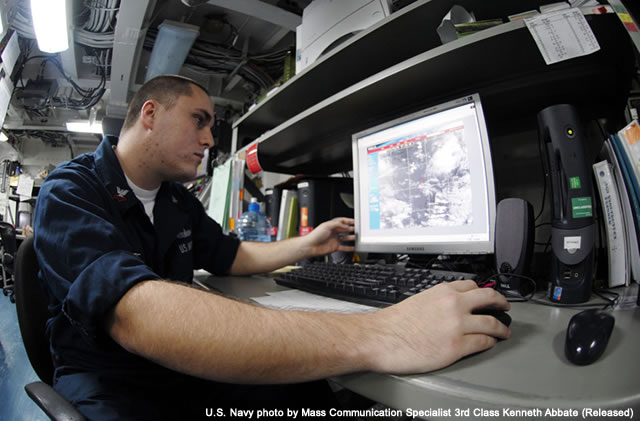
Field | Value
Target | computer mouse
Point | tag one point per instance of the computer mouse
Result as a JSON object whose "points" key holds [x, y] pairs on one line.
{"points": [[587, 337], [501, 315]]}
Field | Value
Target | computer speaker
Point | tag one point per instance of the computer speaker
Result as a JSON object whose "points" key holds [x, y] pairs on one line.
{"points": [[514, 245]]}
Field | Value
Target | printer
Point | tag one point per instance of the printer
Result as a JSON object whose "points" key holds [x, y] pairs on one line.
{"points": [[327, 23]]}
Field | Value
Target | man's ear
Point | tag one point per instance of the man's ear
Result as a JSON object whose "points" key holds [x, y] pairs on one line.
{"points": [[148, 114]]}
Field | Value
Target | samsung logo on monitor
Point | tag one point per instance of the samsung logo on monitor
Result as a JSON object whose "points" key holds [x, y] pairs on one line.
{"points": [[415, 248]]}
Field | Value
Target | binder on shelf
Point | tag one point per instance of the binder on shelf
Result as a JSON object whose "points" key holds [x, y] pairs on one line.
{"points": [[630, 139], [323, 198], [614, 223], [219, 198], [288, 223], [291, 221], [237, 191], [629, 206], [272, 197], [630, 180]]}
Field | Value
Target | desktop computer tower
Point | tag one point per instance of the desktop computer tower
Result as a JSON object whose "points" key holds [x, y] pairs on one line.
{"points": [[324, 198], [573, 228]]}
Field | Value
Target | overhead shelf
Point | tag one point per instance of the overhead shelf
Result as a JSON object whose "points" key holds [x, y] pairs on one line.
{"points": [[401, 36], [502, 63]]}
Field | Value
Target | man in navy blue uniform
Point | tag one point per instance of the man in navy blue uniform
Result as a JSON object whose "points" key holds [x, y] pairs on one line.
{"points": [[118, 237]]}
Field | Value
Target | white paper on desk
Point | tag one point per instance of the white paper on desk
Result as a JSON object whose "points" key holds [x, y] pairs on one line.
{"points": [[25, 186], [562, 35], [294, 299]]}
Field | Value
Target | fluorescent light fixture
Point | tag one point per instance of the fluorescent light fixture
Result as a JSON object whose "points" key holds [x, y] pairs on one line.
{"points": [[3, 137], [50, 25], [84, 126]]}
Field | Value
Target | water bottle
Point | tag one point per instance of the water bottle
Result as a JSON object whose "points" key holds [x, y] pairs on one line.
{"points": [[253, 225]]}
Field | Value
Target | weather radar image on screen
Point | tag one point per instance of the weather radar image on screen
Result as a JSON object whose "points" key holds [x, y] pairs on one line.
{"points": [[424, 182]]}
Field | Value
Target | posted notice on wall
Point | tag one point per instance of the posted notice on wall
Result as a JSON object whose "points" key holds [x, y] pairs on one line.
{"points": [[25, 186], [562, 35]]}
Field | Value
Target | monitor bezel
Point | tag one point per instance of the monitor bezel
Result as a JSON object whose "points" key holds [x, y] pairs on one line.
{"points": [[440, 248]]}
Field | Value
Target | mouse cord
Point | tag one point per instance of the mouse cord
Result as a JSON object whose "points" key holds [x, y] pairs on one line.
{"points": [[612, 302], [514, 296]]}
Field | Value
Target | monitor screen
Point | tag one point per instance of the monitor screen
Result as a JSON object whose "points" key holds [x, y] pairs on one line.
{"points": [[424, 183]]}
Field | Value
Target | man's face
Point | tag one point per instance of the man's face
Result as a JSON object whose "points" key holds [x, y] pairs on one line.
{"points": [[181, 135]]}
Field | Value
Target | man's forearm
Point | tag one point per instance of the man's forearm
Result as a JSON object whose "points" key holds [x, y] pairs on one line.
{"points": [[205, 335], [265, 257], [213, 337]]}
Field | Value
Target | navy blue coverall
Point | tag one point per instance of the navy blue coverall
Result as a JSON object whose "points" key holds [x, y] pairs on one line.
{"points": [[94, 242]]}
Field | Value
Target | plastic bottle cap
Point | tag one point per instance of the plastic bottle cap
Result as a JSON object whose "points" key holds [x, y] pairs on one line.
{"points": [[254, 207]]}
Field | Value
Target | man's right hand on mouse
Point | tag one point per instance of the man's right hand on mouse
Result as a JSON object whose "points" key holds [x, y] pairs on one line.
{"points": [[433, 329]]}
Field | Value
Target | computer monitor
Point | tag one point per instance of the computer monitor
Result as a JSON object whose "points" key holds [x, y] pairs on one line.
{"points": [[423, 183]]}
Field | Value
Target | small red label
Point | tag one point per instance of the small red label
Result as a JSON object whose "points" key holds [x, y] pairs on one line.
{"points": [[305, 230], [252, 159]]}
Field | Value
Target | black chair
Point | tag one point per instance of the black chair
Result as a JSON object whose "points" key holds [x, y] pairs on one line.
{"points": [[7, 254], [31, 306]]}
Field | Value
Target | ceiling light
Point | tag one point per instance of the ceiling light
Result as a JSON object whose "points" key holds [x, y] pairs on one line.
{"points": [[50, 25], [84, 126]]}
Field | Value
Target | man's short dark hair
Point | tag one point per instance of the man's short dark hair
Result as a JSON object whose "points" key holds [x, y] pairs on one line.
{"points": [[166, 89]]}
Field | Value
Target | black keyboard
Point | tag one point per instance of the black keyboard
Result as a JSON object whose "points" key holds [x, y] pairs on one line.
{"points": [[376, 285]]}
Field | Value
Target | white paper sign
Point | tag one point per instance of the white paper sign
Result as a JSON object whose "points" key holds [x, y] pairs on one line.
{"points": [[25, 186], [562, 35]]}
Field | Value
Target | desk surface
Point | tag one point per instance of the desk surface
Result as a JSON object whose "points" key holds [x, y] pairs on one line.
{"points": [[528, 371]]}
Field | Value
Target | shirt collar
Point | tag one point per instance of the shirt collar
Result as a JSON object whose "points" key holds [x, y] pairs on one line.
{"points": [[110, 171], [108, 166]]}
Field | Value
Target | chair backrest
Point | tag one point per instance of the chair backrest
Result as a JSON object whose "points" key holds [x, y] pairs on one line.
{"points": [[8, 236], [32, 309]]}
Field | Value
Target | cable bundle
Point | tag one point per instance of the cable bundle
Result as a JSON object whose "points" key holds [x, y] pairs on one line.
{"points": [[261, 70], [98, 29], [102, 15], [96, 34], [78, 99], [89, 97], [20, 20]]}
